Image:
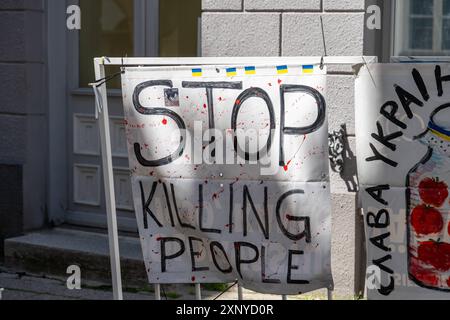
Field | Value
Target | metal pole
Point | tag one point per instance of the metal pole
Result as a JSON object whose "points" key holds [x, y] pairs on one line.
{"points": [[330, 294], [108, 180], [157, 292], [240, 293], [198, 292]]}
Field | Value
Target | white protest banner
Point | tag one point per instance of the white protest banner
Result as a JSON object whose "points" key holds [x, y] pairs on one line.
{"points": [[403, 151], [230, 174]]}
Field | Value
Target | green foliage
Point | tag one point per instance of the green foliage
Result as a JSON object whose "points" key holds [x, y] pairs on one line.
{"points": [[215, 286], [173, 295]]}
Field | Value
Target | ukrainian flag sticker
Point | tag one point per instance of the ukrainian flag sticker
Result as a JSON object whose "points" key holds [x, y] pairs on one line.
{"points": [[308, 69], [282, 69], [197, 72], [250, 70], [231, 72]]}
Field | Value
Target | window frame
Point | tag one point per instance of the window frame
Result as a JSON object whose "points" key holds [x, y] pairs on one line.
{"points": [[400, 26], [145, 42]]}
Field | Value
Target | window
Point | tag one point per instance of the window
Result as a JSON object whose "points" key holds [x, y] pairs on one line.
{"points": [[178, 28], [107, 30], [422, 27], [111, 27]]}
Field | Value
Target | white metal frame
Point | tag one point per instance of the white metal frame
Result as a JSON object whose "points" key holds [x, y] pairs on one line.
{"points": [[105, 137]]}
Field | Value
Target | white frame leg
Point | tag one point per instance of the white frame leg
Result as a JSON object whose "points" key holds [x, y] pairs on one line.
{"points": [[240, 293], [198, 292], [108, 179]]}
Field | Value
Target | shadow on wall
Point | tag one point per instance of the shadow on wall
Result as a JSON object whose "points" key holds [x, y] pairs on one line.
{"points": [[342, 158], [343, 161]]}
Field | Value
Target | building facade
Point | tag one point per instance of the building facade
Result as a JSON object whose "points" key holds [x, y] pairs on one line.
{"points": [[50, 166]]}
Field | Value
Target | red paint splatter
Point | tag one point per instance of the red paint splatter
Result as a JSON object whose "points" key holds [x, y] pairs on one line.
{"points": [[290, 217], [217, 194], [270, 84], [238, 101], [205, 106], [220, 99], [286, 167], [193, 279], [164, 122], [280, 81]]}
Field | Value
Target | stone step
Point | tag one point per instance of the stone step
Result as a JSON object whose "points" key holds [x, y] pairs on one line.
{"points": [[51, 252]]}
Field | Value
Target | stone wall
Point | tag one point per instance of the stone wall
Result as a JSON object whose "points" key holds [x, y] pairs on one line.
{"points": [[22, 117]]}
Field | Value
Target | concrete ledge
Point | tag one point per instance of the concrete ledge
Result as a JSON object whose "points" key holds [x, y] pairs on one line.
{"points": [[50, 252]]}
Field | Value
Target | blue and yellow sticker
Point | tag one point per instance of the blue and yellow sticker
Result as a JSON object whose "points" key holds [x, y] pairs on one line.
{"points": [[250, 70], [197, 72], [308, 69], [231, 72], [282, 69]]}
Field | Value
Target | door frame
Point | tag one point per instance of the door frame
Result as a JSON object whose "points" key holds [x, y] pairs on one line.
{"points": [[62, 55]]}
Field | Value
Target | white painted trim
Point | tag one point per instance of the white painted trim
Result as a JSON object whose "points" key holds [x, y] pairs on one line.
{"points": [[437, 25], [75, 135], [75, 184], [115, 154], [126, 171], [421, 59]]}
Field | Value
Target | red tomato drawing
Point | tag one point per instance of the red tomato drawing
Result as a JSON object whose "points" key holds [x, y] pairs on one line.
{"points": [[433, 191], [426, 220], [426, 277]]}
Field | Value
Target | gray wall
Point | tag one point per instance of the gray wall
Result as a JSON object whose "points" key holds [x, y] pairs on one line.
{"points": [[23, 133], [293, 28]]}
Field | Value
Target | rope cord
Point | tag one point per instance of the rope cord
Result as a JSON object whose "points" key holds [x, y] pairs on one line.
{"points": [[226, 290]]}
